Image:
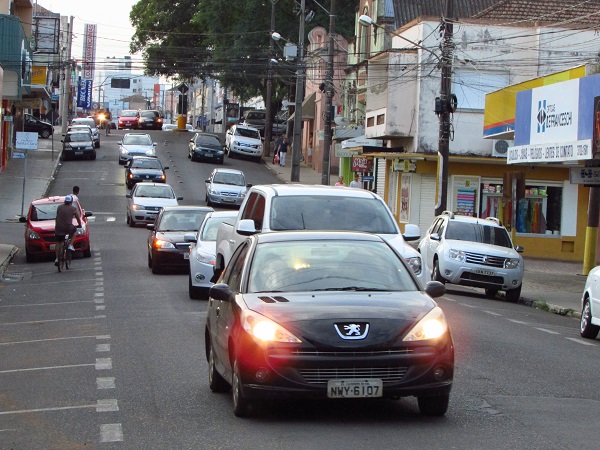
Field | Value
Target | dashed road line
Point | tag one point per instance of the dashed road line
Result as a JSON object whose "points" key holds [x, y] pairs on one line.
{"points": [[33, 369], [547, 331], [493, 313], [103, 347], [103, 363], [45, 304], [518, 321], [107, 405], [54, 320], [105, 383], [581, 341], [111, 432], [55, 339]]}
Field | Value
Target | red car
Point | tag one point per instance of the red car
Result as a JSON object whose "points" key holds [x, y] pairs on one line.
{"points": [[129, 118], [39, 231]]}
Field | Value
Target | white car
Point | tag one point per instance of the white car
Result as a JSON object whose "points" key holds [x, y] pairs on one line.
{"points": [[226, 186], [90, 123], [590, 305], [135, 144], [243, 140], [146, 200], [473, 252], [203, 252]]}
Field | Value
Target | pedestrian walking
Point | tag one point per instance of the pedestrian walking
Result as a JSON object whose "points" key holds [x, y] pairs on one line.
{"points": [[283, 151], [356, 182]]}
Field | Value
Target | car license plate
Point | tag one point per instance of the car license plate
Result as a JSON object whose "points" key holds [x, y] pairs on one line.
{"points": [[228, 200], [52, 246], [186, 256], [351, 388], [484, 272], [79, 153]]}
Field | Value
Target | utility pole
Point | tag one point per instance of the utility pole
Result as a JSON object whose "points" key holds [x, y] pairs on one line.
{"points": [[444, 108], [297, 140], [66, 85], [203, 123], [269, 101], [329, 92]]}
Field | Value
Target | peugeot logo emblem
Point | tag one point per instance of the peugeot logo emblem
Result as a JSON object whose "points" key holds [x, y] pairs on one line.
{"points": [[352, 330]]}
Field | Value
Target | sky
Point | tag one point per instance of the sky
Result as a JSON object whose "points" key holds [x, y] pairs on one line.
{"points": [[113, 27]]}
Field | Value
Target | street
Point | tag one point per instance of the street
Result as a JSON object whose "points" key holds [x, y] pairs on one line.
{"points": [[109, 355]]}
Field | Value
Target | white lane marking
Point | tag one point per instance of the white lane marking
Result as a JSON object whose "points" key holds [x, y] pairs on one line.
{"points": [[100, 283], [547, 331], [59, 408], [517, 321], [103, 363], [107, 405], [98, 294], [99, 300], [111, 432], [103, 347], [100, 289], [581, 341], [99, 274], [55, 339], [45, 304], [54, 320], [111, 219], [31, 369], [100, 307], [58, 282], [492, 313], [105, 383], [468, 306]]}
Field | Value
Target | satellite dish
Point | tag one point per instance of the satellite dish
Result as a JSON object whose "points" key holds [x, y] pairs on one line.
{"points": [[341, 121]]}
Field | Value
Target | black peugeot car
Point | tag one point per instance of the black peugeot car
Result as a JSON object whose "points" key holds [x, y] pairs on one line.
{"points": [[326, 315], [206, 147], [144, 168]]}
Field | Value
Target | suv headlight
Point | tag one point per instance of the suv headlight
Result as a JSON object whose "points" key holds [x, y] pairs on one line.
{"points": [[457, 255], [414, 264], [32, 234], [432, 326], [511, 263]]}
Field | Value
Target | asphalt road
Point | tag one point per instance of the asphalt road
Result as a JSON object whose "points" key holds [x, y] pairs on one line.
{"points": [[108, 355]]}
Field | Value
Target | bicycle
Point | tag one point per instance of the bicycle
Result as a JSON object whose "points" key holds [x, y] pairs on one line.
{"points": [[64, 254]]}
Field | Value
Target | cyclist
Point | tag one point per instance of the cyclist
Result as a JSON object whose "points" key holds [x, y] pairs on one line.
{"points": [[64, 224], [108, 120]]}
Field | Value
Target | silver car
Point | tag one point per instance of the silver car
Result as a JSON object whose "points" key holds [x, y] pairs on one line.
{"points": [[90, 123], [135, 144], [226, 187], [203, 252], [146, 200]]}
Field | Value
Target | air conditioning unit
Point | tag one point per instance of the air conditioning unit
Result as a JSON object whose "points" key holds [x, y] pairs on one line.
{"points": [[500, 148]]}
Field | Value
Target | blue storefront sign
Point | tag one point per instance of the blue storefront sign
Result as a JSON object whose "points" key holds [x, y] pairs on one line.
{"points": [[84, 94]]}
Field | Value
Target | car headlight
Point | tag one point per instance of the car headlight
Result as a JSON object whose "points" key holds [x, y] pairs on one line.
{"points": [[150, 152], [162, 177], [124, 151], [414, 264], [457, 255], [159, 243], [81, 230], [432, 326], [137, 207], [68, 146], [264, 329], [89, 147], [512, 263], [213, 191], [32, 234], [205, 258]]}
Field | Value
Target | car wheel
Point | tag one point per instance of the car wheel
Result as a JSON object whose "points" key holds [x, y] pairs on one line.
{"points": [[195, 292], [513, 295], [87, 253], [29, 257], [93, 156], [241, 404], [434, 406], [45, 134], [149, 260], [130, 222], [230, 154], [215, 381], [97, 144], [586, 329], [491, 293], [156, 269], [435, 273]]}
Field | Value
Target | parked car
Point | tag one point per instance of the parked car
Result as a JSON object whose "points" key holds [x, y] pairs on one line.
{"points": [[129, 118], [590, 305], [34, 125], [226, 187], [145, 201], [169, 127], [78, 144], [150, 119], [144, 168], [296, 316], [473, 252], [206, 147], [39, 229], [136, 144], [203, 253], [167, 248], [243, 140], [257, 118], [92, 124]]}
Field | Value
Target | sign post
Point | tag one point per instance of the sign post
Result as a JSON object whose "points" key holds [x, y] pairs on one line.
{"points": [[25, 141]]}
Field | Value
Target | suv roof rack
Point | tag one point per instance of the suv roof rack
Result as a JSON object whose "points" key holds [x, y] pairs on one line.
{"points": [[494, 219], [448, 213]]}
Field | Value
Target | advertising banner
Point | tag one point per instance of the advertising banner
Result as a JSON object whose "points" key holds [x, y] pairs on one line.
{"points": [[89, 51], [554, 113], [84, 94]]}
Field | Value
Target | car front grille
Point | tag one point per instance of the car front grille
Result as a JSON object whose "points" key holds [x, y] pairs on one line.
{"points": [[484, 260], [229, 194], [323, 375], [471, 276], [182, 245]]}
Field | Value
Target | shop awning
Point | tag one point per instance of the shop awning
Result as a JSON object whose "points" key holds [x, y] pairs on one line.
{"points": [[348, 132], [308, 108], [360, 142], [36, 91]]}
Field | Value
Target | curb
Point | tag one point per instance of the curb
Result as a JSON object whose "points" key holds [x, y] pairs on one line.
{"points": [[10, 255], [554, 309]]}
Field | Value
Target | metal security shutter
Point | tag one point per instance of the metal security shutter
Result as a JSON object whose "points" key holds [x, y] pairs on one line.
{"points": [[427, 202], [380, 177]]}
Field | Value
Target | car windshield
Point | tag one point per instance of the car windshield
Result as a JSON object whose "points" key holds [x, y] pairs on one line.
{"points": [[45, 211], [207, 140], [88, 122], [182, 220], [233, 179], [320, 212], [209, 232], [154, 191], [327, 265], [245, 132], [127, 113], [149, 114], [146, 164], [137, 139], [77, 137], [476, 232], [256, 116]]}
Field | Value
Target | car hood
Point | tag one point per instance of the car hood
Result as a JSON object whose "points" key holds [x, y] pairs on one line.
{"points": [[208, 147], [228, 187], [209, 247], [482, 249], [173, 236], [312, 316], [247, 140], [48, 225], [137, 148], [80, 144], [151, 201], [128, 119], [397, 242], [142, 171]]}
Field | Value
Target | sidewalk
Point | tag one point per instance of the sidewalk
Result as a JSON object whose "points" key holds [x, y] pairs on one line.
{"points": [[548, 284]]}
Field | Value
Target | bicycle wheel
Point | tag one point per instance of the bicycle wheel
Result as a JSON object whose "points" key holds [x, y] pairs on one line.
{"points": [[61, 256], [68, 256]]}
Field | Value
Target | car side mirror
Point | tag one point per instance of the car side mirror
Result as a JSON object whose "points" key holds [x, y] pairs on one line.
{"points": [[520, 248], [88, 214], [179, 198], [435, 289], [150, 226], [249, 185], [23, 219], [128, 195], [222, 292], [165, 168], [434, 236], [207, 180], [192, 140], [155, 144], [189, 237], [120, 142], [411, 232]]}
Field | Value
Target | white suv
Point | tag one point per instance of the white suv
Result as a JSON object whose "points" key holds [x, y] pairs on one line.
{"points": [[243, 140], [473, 252]]}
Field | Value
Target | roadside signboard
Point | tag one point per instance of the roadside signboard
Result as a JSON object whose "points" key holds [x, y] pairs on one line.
{"points": [[26, 140]]}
